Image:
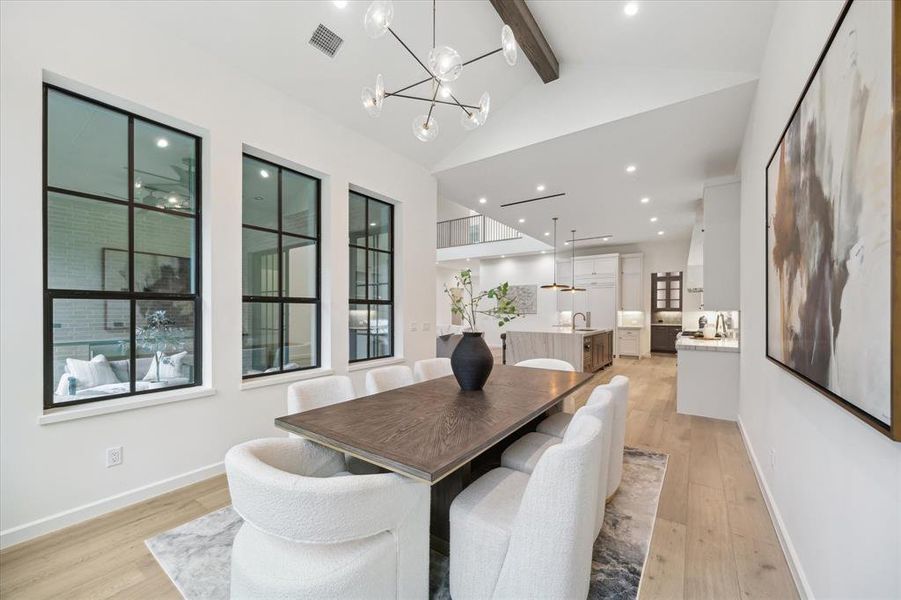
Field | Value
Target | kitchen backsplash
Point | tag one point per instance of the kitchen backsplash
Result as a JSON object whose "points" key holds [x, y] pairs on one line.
{"points": [[667, 317], [690, 319]]}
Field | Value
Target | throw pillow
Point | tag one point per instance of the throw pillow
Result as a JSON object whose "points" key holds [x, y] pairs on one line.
{"points": [[91, 373], [170, 367]]}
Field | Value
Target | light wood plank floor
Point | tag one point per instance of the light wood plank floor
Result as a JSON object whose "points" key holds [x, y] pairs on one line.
{"points": [[713, 538]]}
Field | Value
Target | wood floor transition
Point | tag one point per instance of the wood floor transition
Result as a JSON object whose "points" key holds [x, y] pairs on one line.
{"points": [[713, 538]]}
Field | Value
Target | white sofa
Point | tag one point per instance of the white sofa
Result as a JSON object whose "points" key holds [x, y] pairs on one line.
{"points": [[103, 377], [312, 530]]}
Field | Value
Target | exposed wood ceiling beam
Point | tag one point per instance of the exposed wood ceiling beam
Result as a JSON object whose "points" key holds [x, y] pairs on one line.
{"points": [[528, 34]]}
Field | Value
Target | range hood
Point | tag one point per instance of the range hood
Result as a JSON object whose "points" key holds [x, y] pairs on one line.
{"points": [[694, 275]]}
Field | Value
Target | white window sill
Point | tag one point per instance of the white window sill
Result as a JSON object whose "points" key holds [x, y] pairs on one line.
{"points": [[372, 364], [94, 409], [282, 378]]}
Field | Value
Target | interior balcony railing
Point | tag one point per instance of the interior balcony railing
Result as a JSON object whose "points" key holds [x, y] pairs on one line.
{"points": [[475, 229]]}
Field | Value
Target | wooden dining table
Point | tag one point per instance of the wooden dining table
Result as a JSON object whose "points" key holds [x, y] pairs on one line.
{"points": [[432, 431]]}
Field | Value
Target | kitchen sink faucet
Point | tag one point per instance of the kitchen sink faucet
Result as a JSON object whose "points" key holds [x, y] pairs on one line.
{"points": [[585, 316]]}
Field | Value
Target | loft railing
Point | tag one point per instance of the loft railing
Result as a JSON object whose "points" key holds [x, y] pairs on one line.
{"points": [[475, 229]]}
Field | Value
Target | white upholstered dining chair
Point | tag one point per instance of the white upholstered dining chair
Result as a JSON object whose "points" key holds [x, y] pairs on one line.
{"points": [[546, 363], [319, 392], [311, 530], [325, 391], [388, 378], [525, 453], [431, 368], [514, 535], [557, 423]]}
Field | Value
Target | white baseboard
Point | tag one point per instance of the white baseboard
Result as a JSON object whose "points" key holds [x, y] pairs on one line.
{"points": [[22, 533], [794, 563]]}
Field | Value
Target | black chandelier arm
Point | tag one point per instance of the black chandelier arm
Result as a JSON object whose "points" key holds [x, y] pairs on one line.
{"points": [[486, 55], [462, 107], [432, 107], [399, 95], [416, 58]]}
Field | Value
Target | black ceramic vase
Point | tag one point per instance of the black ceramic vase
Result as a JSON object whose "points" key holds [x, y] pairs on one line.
{"points": [[472, 361]]}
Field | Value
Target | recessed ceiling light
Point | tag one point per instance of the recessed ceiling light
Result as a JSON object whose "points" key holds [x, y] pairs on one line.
{"points": [[544, 251], [631, 169], [264, 173], [660, 232], [547, 233], [503, 256], [522, 220], [645, 200], [653, 219], [483, 200], [162, 143], [606, 239], [373, 224], [631, 9], [540, 187], [340, 3], [467, 260], [566, 243]]}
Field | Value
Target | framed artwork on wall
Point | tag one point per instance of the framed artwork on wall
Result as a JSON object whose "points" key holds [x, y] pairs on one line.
{"points": [[833, 223], [525, 298]]}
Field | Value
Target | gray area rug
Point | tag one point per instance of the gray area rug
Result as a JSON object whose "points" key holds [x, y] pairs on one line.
{"points": [[197, 555]]}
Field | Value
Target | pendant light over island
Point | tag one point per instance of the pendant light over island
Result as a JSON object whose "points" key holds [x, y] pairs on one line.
{"points": [[555, 286]]}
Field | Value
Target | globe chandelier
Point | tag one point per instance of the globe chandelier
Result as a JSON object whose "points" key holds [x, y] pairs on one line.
{"points": [[443, 65]]}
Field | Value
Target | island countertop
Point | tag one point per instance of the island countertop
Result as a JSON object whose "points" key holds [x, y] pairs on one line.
{"points": [[689, 343], [566, 330]]}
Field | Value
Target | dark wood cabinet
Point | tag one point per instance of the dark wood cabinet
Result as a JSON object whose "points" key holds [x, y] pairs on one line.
{"points": [[598, 351], [663, 337], [666, 291]]}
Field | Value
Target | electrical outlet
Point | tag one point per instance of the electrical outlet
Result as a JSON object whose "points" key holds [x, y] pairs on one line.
{"points": [[426, 326], [114, 456], [773, 459], [414, 326]]}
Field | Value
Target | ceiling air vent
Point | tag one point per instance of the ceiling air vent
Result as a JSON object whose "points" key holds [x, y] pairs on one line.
{"points": [[326, 40]]}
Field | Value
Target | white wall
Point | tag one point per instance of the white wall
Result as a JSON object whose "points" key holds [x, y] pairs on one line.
{"points": [[836, 484], [448, 210], [54, 474]]}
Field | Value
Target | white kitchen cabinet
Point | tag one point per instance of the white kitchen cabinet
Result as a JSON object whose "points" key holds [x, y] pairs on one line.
{"points": [[629, 342], [722, 212], [630, 282]]}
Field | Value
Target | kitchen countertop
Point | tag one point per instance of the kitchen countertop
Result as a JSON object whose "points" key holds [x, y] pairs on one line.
{"points": [[565, 330], [631, 327], [689, 343]]}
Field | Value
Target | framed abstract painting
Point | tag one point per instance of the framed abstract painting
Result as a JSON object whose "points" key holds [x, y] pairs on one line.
{"points": [[833, 228]]}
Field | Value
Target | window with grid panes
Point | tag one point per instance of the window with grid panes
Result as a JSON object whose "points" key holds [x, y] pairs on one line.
{"points": [[371, 326], [280, 269]]}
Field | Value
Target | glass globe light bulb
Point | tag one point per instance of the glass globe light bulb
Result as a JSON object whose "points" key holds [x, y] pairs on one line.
{"points": [[470, 120], [425, 128], [484, 107], [445, 63], [371, 102], [508, 44], [379, 90], [378, 18]]}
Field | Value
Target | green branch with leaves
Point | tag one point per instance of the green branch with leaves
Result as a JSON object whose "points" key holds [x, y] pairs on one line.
{"points": [[467, 304]]}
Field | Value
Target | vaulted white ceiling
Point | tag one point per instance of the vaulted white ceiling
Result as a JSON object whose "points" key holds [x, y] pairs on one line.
{"points": [[670, 87]]}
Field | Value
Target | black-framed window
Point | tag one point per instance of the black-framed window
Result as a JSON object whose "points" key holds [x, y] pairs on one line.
{"points": [[371, 324], [121, 235], [281, 269]]}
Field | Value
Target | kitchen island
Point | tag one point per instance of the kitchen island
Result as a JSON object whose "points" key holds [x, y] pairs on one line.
{"points": [[587, 350], [707, 380]]}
